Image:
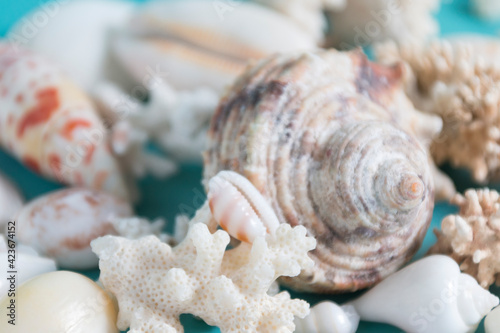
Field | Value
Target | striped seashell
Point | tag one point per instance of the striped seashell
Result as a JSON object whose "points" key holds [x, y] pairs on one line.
{"points": [[239, 208], [321, 136], [51, 126], [196, 43]]}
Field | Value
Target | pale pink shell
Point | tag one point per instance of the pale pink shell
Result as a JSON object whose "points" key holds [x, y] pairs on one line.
{"points": [[62, 224], [239, 208]]}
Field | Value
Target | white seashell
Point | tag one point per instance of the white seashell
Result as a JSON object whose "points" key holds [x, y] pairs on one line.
{"points": [[492, 321], [27, 263], [239, 208], [10, 201], [190, 43], [62, 224], [68, 37], [328, 317], [487, 9], [430, 295], [60, 302]]}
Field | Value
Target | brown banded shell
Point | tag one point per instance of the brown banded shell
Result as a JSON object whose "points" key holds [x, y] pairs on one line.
{"points": [[321, 136]]}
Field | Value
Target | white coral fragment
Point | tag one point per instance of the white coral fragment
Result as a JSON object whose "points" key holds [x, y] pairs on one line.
{"points": [[472, 237], [177, 120], [154, 283]]}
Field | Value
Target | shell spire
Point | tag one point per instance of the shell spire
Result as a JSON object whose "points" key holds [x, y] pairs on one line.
{"points": [[322, 136]]}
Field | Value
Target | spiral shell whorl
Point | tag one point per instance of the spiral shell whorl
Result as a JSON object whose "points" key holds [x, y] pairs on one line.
{"points": [[373, 171], [318, 135]]}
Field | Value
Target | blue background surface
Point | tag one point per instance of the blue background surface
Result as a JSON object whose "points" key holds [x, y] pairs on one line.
{"points": [[183, 192]]}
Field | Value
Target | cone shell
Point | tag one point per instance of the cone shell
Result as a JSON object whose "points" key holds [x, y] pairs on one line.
{"points": [[51, 126], [320, 136]]}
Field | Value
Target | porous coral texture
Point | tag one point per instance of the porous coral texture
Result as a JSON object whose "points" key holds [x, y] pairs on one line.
{"points": [[472, 237], [460, 82], [154, 283]]}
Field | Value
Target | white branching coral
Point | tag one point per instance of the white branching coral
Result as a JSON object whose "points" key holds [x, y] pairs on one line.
{"points": [[154, 283], [472, 237], [177, 120], [460, 82]]}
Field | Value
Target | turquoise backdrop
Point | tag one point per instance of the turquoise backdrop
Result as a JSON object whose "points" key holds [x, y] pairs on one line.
{"points": [[166, 198]]}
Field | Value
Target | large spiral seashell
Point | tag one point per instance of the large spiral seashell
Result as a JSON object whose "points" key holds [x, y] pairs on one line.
{"points": [[321, 136]]}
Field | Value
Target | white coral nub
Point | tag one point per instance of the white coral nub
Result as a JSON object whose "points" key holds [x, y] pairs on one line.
{"points": [[154, 283]]}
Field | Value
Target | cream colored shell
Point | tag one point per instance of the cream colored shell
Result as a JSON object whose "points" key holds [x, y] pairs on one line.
{"points": [[60, 302], [62, 224], [322, 137]]}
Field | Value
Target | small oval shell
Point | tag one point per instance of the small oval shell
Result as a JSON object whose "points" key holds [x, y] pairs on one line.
{"points": [[320, 136], [190, 43], [61, 302], [328, 317], [10, 201], [62, 224], [239, 208], [51, 125]]}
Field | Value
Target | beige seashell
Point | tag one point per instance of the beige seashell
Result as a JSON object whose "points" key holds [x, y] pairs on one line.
{"points": [[190, 43], [459, 80], [61, 302], [62, 224], [320, 135]]}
